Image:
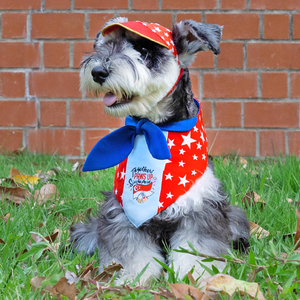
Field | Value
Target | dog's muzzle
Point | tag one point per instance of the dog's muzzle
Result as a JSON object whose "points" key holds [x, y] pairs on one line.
{"points": [[99, 74]]}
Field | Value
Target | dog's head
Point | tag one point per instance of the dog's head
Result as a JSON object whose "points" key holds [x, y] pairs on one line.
{"points": [[136, 71]]}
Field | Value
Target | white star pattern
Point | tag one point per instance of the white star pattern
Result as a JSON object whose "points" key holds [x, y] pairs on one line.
{"points": [[181, 164], [172, 42], [162, 37], [116, 191], [161, 204], [168, 176], [195, 157], [157, 29], [166, 34], [195, 129], [123, 174], [169, 195], [202, 137], [118, 174], [187, 140], [168, 43], [199, 146], [181, 151], [194, 172], [203, 156], [171, 143], [183, 180]]}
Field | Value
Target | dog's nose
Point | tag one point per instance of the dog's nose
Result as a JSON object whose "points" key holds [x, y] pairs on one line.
{"points": [[99, 74]]}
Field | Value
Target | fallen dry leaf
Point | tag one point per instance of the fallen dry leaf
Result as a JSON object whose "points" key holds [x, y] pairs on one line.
{"points": [[17, 195], [47, 192], [253, 198], [258, 231], [23, 179], [6, 217], [36, 283], [2, 242], [229, 286], [108, 272], [81, 217], [180, 290], [64, 288], [243, 161], [14, 172], [71, 277], [292, 202], [297, 236], [191, 278]]}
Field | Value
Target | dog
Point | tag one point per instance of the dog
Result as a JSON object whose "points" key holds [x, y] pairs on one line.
{"points": [[142, 70]]}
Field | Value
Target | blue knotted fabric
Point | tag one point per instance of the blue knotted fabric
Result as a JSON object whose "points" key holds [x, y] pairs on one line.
{"points": [[116, 146]]}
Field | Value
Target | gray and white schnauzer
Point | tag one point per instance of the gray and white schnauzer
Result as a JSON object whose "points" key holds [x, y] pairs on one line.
{"points": [[165, 192]]}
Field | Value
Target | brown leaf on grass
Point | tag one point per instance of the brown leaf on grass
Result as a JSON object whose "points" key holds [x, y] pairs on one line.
{"points": [[2, 242], [180, 290], [108, 272], [253, 198], [36, 283], [47, 192], [19, 151], [191, 278], [71, 277], [64, 288], [156, 297], [297, 236], [292, 202], [14, 172], [17, 195], [6, 217], [50, 238], [243, 161], [81, 217], [258, 231], [227, 285]]}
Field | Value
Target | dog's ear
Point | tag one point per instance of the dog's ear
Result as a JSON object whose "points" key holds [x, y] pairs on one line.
{"points": [[191, 37]]}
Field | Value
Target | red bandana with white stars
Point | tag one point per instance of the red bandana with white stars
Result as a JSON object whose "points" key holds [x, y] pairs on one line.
{"points": [[144, 186]]}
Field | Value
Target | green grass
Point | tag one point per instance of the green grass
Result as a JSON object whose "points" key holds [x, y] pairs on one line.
{"points": [[274, 180]]}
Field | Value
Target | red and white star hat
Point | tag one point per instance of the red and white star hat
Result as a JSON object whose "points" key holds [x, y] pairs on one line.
{"points": [[151, 31]]}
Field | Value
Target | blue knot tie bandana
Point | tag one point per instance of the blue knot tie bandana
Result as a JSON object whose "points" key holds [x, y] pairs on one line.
{"points": [[116, 146]]}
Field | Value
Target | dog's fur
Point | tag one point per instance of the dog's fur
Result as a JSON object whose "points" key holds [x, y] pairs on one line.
{"points": [[141, 73]]}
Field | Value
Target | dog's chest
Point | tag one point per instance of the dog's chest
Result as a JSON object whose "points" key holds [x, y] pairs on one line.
{"points": [[144, 186]]}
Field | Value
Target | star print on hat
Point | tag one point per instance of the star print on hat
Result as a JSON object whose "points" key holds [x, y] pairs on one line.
{"points": [[151, 31]]}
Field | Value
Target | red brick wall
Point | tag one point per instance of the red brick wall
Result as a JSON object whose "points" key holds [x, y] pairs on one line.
{"points": [[250, 93]]}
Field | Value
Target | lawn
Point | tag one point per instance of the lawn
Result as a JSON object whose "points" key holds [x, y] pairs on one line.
{"points": [[271, 262]]}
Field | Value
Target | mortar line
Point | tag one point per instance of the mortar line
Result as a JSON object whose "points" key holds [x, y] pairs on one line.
{"points": [[257, 143], [286, 135]]}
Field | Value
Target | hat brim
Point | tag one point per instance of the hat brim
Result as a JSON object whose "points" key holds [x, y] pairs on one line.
{"points": [[136, 27]]}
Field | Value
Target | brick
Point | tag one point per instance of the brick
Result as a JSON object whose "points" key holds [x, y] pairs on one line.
{"points": [[274, 85], [233, 4], [275, 4], [58, 4], [276, 26], [53, 113], [272, 143], [12, 85], [204, 60], [189, 16], [271, 114], [230, 85], [80, 49], [236, 26], [97, 21], [18, 55], [54, 84], [294, 143], [14, 25], [206, 112], [91, 137], [192, 4], [195, 83], [228, 114], [50, 141], [273, 55], [145, 5], [103, 4], [296, 26], [10, 140], [57, 26], [56, 54], [18, 113], [20, 4], [295, 85], [228, 141], [91, 114], [164, 19], [231, 56]]}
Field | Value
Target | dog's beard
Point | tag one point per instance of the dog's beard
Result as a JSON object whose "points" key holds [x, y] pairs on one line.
{"points": [[131, 88]]}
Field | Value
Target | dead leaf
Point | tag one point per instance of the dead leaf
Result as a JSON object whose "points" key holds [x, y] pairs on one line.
{"points": [[81, 217], [47, 192], [156, 297], [258, 231], [191, 278], [225, 161], [242, 160], [17, 195], [253, 198], [108, 272], [71, 277], [2, 242], [14, 172], [6, 217], [297, 236], [292, 202], [25, 179], [180, 290], [229, 286], [64, 288], [36, 283]]}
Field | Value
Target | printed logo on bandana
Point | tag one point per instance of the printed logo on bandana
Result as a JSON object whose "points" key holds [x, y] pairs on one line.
{"points": [[142, 184]]}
